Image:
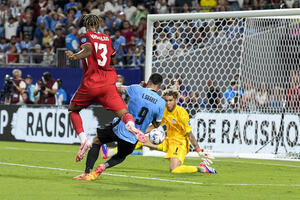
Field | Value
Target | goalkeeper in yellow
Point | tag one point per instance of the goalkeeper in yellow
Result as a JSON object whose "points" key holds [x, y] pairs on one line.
{"points": [[179, 134]]}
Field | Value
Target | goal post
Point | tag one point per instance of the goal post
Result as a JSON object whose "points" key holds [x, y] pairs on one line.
{"points": [[239, 77]]}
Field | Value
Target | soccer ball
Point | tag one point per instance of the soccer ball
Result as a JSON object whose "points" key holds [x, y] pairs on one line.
{"points": [[156, 136]]}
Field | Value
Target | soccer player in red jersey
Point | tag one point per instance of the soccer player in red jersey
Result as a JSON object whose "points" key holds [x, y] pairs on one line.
{"points": [[98, 84]]}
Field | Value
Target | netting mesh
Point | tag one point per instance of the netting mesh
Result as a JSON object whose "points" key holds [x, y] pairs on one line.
{"points": [[236, 64]]}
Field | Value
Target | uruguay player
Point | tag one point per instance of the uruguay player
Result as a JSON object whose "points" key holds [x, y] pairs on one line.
{"points": [[146, 106]]}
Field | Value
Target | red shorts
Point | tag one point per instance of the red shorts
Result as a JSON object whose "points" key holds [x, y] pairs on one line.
{"points": [[107, 96]]}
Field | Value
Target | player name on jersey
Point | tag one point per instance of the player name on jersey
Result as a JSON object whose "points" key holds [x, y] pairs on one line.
{"points": [[149, 98], [102, 38]]}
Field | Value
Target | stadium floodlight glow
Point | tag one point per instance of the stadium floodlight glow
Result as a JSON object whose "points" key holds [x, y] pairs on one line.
{"points": [[254, 53]]}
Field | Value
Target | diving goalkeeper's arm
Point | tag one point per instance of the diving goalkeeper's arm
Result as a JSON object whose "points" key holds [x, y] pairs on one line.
{"points": [[205, 156]]}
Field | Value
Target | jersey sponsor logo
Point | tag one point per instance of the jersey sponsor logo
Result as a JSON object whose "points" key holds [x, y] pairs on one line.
{"points": [[83, 40], [173, 121], [102, 38]]}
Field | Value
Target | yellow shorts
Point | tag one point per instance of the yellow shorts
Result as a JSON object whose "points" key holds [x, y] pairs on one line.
{"points": [[175, 149]]}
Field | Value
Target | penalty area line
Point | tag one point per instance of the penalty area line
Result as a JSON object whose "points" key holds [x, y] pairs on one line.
{"points": [[149, 178]]}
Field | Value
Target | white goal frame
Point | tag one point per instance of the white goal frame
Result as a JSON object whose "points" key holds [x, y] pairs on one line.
{"points": [[283, 13]]}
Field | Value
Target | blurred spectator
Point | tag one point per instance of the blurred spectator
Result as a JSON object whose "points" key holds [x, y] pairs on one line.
{"points": [[208, 5], [48, 56], [233, 94], [13, 41], [27, 28], [46, 88], [59, 41], [12, 54], [72, 42], [71, 4], [223, 6], [118, 7], [164, 47], [26, 99], [119, 43], [61, 94], [276, 98], [111, 21], [46, 38], [249, 96], [293, 94], [54, 20], [121, 81], [43, 17], [30, 87], [197, 9], [141, 28], [10, 28], [38, 55], [130, 12], [26, 43], [262, 96], [24, 57], [99, 10], [3, 45], [127, 32], [18, 87], [141, 12], [38, 33], [213, 96], [161, 7]]}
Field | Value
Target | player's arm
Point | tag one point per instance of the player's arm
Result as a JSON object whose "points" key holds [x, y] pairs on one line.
{"points": [[205, 156], [86, 51], [194, 142]]}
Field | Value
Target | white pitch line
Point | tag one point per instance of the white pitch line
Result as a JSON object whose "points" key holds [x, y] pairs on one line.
{"points": [[149, 178], [261, 163], [234, 161]]}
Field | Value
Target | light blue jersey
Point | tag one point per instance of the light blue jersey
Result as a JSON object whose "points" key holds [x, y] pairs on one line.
{"points": [[145, 105]]}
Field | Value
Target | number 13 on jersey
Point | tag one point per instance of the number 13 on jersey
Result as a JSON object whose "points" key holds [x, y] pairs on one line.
{"points": [[102, 49]]}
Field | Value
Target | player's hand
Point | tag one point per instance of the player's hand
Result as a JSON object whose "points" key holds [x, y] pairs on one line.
{"points": [[143, 84], [70, 55], [141, 137]]}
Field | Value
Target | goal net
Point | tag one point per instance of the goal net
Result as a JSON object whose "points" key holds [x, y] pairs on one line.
{"points": [[239, 78]]}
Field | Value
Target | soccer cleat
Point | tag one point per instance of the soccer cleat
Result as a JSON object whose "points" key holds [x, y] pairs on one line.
{"points": [[138, 133], [104, 151], [206, 169], [80, 177], [86, 145], [94, 175]]}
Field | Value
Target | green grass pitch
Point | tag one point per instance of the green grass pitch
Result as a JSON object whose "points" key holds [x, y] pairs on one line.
{"points": [[44, 171]]}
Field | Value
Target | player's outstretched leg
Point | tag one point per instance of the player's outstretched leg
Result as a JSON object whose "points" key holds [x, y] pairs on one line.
{"points": [[94, 174], [77, 125], [80, 177], [203, 168]]}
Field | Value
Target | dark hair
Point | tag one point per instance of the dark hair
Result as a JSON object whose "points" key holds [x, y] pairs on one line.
{"points": [[91, 20], [156, 79]]}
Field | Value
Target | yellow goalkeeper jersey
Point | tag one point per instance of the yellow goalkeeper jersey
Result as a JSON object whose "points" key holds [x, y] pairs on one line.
{"points": [[178, 124]]}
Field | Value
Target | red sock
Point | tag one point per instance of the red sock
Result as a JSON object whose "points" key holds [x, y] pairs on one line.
{"points": [[77, 122], [127, 117]]}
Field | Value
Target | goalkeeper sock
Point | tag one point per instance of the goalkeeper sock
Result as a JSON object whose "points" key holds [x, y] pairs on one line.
{"points": [[185, 169], [76, 122], [92, 158], [138, 145]]}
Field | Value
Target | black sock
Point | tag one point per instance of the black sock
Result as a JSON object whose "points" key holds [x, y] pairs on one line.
{"points": [[92, 157], [114, 160]]}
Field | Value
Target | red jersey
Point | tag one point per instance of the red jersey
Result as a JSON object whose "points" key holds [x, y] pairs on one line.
{"points": [[96, 68]]}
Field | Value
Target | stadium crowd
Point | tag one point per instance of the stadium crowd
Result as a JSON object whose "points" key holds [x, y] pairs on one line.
{"points": [[32, 30]]}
